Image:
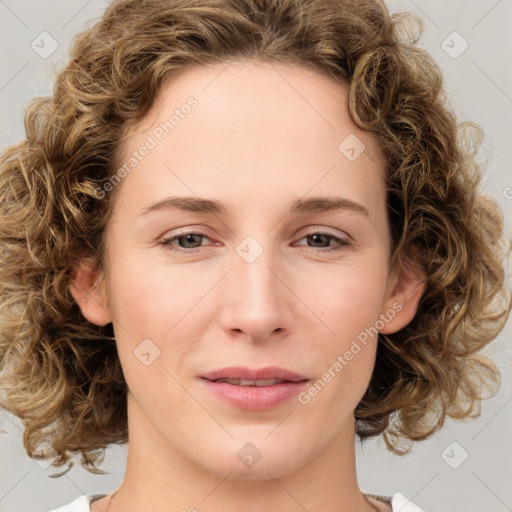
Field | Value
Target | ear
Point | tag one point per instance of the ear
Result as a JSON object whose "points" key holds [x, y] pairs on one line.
{"points": [[406, 285], [88, 289]]}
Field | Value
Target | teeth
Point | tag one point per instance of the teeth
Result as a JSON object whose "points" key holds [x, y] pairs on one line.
{"points": [[259, 383]]}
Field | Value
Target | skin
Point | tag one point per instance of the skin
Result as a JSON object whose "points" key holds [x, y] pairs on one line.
{"points": [[260, 137]]}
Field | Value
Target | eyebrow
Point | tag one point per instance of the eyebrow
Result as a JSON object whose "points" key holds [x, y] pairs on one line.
{"points": [[313, 204]]}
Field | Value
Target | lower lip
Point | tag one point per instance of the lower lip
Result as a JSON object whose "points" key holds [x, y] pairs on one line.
{"points": [[255, 398]]}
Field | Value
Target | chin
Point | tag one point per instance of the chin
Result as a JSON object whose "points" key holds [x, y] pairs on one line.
{"points": [[247, 462]]}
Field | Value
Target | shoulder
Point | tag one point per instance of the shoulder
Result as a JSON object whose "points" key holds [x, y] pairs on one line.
{"points": [[399, 502], [394, 503], [80, 504]]}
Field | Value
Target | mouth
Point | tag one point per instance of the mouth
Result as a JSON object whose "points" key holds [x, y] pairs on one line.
{"points": [[254, 390]]}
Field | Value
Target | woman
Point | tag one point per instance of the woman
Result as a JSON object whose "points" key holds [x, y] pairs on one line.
{"points": [[240, 234]]}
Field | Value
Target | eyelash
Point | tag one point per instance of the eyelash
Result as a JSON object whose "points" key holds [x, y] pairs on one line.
{"points": [[167, 242]]}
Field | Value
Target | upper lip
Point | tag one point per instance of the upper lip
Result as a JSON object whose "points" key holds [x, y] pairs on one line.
{"points": [[239, 372]]}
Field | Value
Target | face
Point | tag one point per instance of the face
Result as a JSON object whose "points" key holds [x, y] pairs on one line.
{"points": [[269, 277]]}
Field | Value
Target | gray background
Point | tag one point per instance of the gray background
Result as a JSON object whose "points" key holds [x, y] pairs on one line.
{"points": [[479, 83]]}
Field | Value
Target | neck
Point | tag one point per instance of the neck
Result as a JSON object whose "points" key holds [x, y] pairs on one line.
{"points": [[160, 478]]}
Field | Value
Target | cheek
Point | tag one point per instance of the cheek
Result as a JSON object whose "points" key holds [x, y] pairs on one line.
{"points": [[152, 305], [348, 300], [150, 298], [348, 305]]}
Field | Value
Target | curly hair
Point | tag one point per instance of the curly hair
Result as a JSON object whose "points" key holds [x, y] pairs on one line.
{"points": [[61, 374]]}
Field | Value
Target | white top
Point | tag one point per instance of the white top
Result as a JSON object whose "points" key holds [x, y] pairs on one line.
{"points": [[398, 503]]}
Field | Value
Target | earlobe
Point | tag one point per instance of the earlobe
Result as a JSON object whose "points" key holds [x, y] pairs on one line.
{"points": [[87, 288], [404, 294]]}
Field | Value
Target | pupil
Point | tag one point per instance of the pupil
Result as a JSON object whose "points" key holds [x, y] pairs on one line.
{"points": [[316, 236], [190, 238]]}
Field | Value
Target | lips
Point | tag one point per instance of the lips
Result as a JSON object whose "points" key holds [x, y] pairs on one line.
{"points": [[254, 389], [238, 373]]}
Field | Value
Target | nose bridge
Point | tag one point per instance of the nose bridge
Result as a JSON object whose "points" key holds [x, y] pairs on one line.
{"points": [[255, 275], [255, 298]]}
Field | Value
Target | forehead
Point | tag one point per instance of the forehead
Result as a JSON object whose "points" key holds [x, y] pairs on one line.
{"points": [[255, 127]]}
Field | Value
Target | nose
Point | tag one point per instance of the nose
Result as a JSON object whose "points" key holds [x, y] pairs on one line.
{"points": [[257, 301]]}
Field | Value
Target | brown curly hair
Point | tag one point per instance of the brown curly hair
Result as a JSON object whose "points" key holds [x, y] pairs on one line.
{"points": [[61, 374]]}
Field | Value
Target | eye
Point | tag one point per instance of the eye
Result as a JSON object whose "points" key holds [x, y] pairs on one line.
{"points": [[321, 237], [189, 242]]}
